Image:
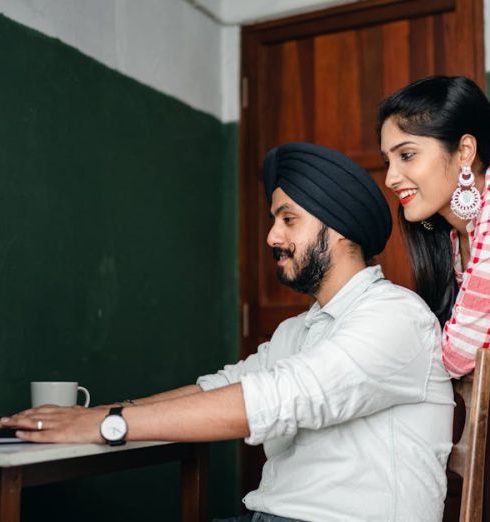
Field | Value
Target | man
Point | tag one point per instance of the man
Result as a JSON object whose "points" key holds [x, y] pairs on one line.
{"points": [[350, 399]]}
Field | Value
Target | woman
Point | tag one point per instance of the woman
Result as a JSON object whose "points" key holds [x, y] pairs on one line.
{"points": [[435, 139]]}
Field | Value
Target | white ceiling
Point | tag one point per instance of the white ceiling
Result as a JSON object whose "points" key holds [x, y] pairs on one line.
{"points": [[238, 12]]}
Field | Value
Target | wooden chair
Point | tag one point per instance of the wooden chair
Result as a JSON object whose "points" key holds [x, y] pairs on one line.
{"points": [[467, 489]]}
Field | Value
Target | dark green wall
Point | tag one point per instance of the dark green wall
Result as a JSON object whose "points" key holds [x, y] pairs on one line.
{"points": [[118, 263]]}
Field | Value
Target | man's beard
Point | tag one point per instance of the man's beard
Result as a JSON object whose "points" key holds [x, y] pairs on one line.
{"points": [[309, 271]]}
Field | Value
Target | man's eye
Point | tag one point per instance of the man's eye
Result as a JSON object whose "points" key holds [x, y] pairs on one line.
{"points": [[288, 220], [405, 156]]}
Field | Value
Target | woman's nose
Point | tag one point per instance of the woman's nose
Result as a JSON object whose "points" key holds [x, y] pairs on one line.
{"points": [[392, 179]]}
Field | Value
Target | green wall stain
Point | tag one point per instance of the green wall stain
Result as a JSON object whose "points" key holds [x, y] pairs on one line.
{"points": [[118, 263]]}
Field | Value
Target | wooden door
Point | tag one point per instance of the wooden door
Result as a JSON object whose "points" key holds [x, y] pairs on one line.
{"points": [[319, 77]]}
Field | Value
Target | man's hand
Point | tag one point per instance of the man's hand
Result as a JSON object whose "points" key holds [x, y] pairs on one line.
{"points": [[57, 424]]}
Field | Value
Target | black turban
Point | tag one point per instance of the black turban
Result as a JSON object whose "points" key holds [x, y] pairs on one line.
{"points": [[332, 188]]}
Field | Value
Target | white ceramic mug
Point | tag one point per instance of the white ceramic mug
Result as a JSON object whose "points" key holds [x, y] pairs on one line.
{"points": [[59, 393]]}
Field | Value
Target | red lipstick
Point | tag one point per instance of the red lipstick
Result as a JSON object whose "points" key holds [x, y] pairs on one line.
{"points": [[407, 199]]}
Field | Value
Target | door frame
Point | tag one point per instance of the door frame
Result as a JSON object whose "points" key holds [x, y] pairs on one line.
{"points": [[470, 50]]}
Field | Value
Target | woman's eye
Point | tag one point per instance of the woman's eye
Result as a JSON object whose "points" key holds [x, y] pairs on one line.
{"points": [[288, 220], [405, 156]]}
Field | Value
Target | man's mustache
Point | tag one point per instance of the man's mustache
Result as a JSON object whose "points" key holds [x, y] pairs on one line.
{"points": [[278, 253]]}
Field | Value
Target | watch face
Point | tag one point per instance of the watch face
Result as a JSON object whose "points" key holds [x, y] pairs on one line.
{"points": [[113, 428]]}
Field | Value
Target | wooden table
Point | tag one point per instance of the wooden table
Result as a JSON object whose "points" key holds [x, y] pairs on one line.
{"points": [[24, 464]]}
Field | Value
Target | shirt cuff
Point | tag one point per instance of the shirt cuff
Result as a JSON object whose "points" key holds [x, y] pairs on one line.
{"points": [[259, 412], [212, 381]]}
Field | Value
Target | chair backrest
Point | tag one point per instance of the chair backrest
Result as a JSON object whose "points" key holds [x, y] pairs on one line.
{"points": [[467, 462]]}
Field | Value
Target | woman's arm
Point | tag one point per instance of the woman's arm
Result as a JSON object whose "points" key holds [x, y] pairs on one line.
{"points": [[469, 325]]}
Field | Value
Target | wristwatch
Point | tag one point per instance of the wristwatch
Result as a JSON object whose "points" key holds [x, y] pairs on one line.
{"points": [[114, 428]]}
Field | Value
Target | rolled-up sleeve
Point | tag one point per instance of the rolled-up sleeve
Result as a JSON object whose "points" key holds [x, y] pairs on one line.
{"points": [[380, 357], [232, 373]]}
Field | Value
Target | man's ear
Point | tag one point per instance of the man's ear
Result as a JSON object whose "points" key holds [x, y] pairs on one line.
{"points": [[334, 236], [353, 249], [340, 243]]}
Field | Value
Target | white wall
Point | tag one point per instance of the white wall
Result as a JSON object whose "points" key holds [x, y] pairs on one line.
{"points": [[166, 44]]}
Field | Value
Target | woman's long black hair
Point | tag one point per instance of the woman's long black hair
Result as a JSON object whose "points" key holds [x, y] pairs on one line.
{"points": [[445, 108]]}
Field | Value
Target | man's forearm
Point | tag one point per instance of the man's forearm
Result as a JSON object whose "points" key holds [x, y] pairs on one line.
{"points": [[171, 394], [213, 415]]}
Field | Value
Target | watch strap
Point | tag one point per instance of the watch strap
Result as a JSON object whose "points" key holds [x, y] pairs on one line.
{"points": [[120, 442], [116, 410]]}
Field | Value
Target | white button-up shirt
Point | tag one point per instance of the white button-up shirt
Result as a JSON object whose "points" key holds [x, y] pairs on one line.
{"points": [[354, 409]]}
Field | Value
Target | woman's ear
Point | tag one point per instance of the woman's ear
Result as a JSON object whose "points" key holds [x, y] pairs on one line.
{"points": [[467, 149]]}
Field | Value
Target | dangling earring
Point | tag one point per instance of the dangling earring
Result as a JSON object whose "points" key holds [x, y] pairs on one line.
{"points": [[466, 200], [428, 225]]}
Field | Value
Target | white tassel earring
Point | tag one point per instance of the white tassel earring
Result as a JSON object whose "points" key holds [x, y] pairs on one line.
{"points": [[466, 200]]}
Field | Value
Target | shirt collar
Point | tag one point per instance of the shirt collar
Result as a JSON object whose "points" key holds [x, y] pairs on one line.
{"points": [[345, 296]]}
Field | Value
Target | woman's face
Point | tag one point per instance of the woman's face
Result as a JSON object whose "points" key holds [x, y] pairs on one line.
{"points": [[421, 173]]}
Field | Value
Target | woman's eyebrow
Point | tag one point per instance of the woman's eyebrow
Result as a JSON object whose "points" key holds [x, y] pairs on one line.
{"points": [[401, 145]]}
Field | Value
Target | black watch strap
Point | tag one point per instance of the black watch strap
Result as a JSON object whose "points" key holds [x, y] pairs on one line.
{"points": [[116, 442], [116, 410]]}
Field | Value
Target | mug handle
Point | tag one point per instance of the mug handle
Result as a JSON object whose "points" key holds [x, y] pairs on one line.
{"points": [[87, 396]]}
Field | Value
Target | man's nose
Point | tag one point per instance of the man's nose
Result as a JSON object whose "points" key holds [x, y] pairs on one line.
{"points": [[274, 236]]}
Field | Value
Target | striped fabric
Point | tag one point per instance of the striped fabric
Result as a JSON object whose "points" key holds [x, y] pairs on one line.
{"points": [[469, 326]]}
